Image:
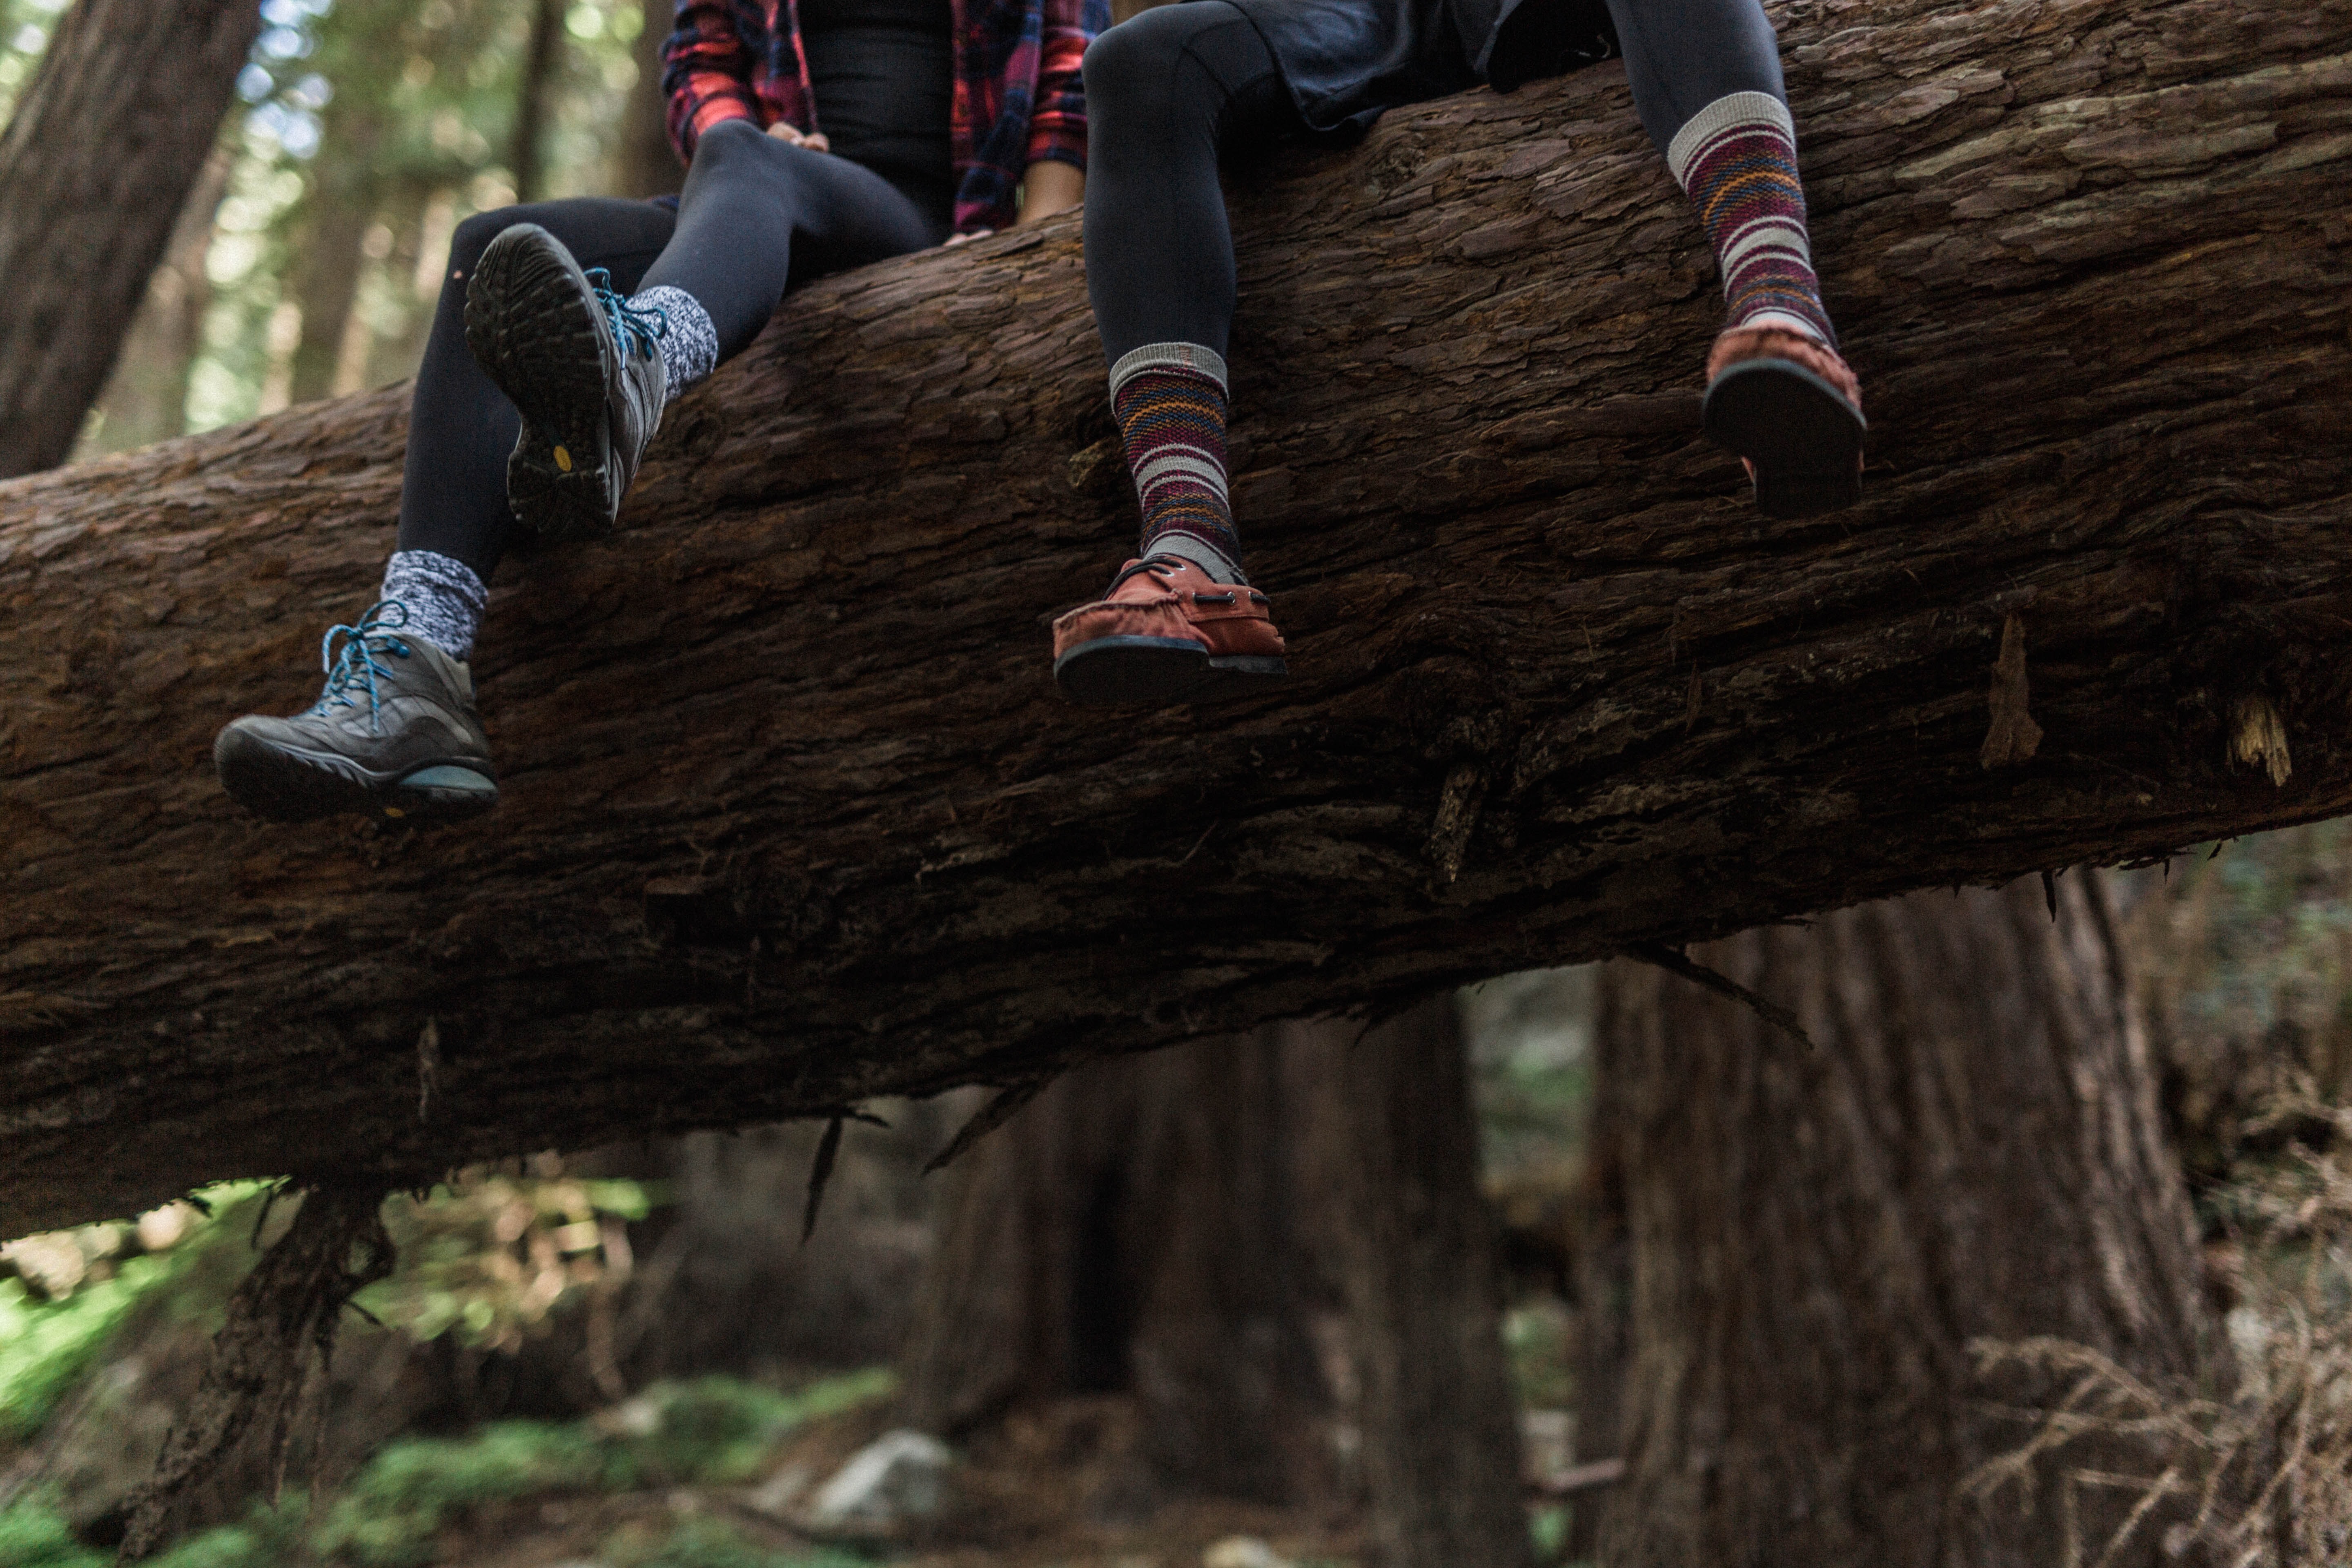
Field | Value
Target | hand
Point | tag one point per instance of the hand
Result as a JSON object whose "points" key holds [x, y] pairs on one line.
{"points": [[1050, 186], [975, 234], [814, 141]]}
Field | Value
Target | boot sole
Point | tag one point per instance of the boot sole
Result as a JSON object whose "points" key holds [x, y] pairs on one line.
{"points": [[285, 783], [1801, 434], [530, 324], [1128, 671]]}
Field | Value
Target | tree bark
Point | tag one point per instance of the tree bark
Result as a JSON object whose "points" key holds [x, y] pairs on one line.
{"points": [[1393, 1137], [96, 163], [1972, 1150], [1138, 1230], [792, 816]]}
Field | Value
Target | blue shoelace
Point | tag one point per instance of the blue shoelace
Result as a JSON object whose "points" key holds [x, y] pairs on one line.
{"points": [[355, 665], [637, 328]]}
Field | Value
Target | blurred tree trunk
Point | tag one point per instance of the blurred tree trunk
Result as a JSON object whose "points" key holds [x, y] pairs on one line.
{"points": [[146, 398], [1392, 1140], [528, 156], [649, 165], [326, 280], [1973, 1151], [1181, 1226], [1135, 1231], [96, 166]]}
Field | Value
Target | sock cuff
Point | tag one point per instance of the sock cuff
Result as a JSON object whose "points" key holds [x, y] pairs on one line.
{"points": [[443, 595], [1732, 112], [1199, 361], [689, 341]]}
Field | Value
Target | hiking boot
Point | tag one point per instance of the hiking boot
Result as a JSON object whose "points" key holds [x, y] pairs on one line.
{"points": [[583, 367], [1165, 631], [393, 734], [1792, 410]]}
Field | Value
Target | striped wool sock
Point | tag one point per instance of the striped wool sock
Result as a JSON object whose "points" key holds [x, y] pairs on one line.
{"points": [[1737, 159], [1170, 401]]}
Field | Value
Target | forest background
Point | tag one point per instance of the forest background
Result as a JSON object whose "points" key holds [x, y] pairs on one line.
{"points": [[628, 1356]]}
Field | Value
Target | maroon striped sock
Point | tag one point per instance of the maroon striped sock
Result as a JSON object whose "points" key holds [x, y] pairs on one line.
{"points": [[1737, 159]]}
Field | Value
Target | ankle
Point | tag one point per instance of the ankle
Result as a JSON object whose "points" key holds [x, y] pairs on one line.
{"points": [[440, 596], [687, 338], [1220, 565]]}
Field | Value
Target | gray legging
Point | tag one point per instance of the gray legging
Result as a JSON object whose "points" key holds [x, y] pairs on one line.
{"points": [[1172, 90]]}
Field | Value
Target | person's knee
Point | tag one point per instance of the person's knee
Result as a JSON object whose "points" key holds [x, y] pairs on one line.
{"points": [[737, 152], [1134, 64], [474, 236]]}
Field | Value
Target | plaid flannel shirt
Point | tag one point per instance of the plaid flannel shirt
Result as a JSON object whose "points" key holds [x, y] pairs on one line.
{"points": [[1018, 95]]}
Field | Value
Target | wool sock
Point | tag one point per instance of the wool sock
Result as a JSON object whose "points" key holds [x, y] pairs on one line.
{"points": [[1737, 159], [1170, 402], [443, 597], [688, 339]]}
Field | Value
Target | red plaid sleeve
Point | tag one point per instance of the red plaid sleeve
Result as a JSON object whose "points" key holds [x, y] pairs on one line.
{"points": [[1058, 115], [707, 72]]}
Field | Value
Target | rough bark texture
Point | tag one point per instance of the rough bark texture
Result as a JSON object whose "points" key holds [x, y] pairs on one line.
{"points": [[792, 816], [1974, 1150], [95, 165], [1395, 1142]]}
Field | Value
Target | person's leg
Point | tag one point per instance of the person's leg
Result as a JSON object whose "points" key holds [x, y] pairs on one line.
{"points": [[1167, 93], [758, 214], [395, 733], [591, 367], [1706, 81], [453, 486]]}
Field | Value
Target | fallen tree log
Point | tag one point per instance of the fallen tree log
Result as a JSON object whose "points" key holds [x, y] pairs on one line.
{"points": [[792, 817]]}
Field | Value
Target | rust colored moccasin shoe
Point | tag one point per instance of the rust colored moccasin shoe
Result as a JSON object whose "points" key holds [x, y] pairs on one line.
{"points": [[1792, 410], [1164, 632]]}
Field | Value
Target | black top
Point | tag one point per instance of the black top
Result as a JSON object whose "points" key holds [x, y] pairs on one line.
{"points": [[883, 72]]}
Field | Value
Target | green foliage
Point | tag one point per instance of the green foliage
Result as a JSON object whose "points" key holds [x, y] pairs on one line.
{"points": [[48, 1346], [412, 1489], [33, 1535], [266, 1538], [713, 1431], [706, 1542]]}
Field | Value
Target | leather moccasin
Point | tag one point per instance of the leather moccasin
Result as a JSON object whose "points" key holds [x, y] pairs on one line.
{"points": [[1165, 632], [1792, 409]]}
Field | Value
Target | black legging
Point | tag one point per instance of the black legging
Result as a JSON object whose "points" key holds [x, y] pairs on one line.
{"points": [[1174, 87], [758, 215]]}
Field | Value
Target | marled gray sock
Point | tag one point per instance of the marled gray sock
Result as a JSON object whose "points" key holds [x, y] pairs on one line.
{"points": [[689, 343], [443, 597]]}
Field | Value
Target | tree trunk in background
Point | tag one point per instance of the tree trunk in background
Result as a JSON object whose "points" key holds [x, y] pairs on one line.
{"points": [[1136, 1230], [1973, 1151], [95, 167], [1392, 1138], [146, 398], [648, 164], [792, 816], [330, 259], [526, 154]]}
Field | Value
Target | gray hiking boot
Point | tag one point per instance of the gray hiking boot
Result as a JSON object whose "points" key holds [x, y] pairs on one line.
{"points": [[583, 367], [393, 734]]}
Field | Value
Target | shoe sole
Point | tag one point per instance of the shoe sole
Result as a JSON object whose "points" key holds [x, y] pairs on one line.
{"points": [[285, 783], [1801, 434], [1126, 671], [530, 324]]}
